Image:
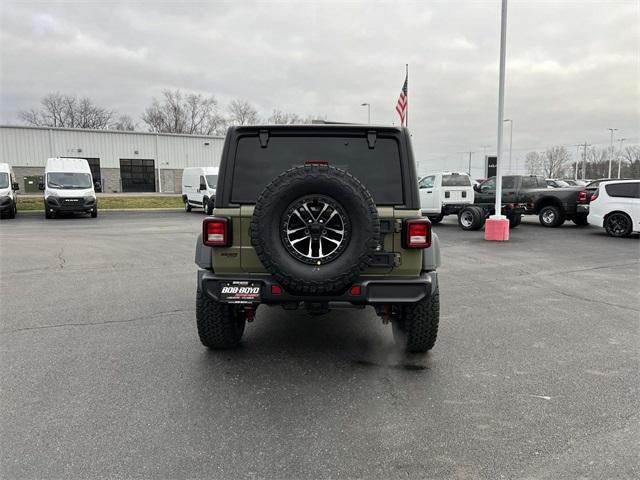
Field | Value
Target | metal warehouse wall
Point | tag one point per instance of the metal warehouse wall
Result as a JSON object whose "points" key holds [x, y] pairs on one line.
{"points": [[30, 147]]}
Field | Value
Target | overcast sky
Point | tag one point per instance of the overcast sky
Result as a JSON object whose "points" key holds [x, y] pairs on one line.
{"points": [[572, 67]]}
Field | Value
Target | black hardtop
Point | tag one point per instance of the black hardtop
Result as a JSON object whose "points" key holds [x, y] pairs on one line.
{"points": [[411, 198]]}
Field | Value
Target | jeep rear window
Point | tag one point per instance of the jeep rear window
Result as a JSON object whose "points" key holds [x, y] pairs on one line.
{"points": [[377, 168], [455, 181]]}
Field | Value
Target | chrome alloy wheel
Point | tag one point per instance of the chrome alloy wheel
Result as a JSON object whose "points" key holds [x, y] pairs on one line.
{"points": [[549, 216], [466, 218], [315, 229]]}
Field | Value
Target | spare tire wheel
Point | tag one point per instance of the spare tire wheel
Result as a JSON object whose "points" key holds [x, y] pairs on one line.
{"points": [[315, 228]]}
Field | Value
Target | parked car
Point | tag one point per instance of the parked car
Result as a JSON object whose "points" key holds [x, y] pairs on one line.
{"points": [[199, 188], [574, 182], [552, 205], [68, 187], [556, 183], [317, 217], [615, 205], [8, 188], [444, 194]]}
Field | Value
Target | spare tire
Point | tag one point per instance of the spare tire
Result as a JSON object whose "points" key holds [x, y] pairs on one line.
{"points": [[315, 228]]}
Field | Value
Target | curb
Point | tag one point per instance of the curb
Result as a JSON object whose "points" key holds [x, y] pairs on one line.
{"points": [[107, 210]]}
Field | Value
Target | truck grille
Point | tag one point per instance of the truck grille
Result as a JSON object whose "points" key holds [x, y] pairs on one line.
{"points": [[69, 202]]}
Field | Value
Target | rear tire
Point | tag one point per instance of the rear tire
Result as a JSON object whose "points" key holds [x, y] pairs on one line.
{"points": [[551, 216], [581, 220], [618, 224], [219, 324], [515, 220], [187, 206], [209, 207], [416, 329], [471, 218], [436, 219]]}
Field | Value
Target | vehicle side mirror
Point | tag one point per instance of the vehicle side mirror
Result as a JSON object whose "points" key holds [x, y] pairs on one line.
{"points": [[97, 185], [476, 187], [203, 186], [41, 186], [15, 186]]}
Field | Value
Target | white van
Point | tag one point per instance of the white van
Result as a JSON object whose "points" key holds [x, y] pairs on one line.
{"points": [[68, 187], [8, 187], [199, 188], [444, 193]]}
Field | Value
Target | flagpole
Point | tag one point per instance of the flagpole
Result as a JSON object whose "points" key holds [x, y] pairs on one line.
{"points": [[406, 122]]}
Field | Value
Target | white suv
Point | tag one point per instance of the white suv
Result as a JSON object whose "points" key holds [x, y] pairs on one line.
{"points": [[444, 193], [616, 207]]}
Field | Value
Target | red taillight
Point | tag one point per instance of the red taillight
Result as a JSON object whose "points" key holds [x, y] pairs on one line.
{"points": [[595, 195], [216, 232], [355, 291], [417, 233], [582, 197], [276, 290]]}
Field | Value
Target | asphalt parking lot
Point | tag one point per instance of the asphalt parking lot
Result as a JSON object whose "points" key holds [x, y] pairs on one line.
{"points": [[534, 375]]}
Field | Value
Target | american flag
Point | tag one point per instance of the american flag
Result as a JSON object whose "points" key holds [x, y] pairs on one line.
{"points": [[403, 100]]}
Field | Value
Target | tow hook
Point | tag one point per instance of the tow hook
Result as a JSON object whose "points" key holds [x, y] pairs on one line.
{"points": [[250, 313]]}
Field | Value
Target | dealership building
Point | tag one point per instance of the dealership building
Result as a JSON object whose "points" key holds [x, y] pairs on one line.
{"points": [[122, 161]]}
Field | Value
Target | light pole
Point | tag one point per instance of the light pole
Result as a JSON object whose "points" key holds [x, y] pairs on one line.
{"points": [[620, 155], [577, 160], [510, 140], [584, 160], [368, 111], [611, 149], [497, 225]]}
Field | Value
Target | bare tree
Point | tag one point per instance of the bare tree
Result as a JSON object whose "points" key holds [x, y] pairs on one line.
{"points": [[556, 160], [61, 110], [551, 163], [192, 113], [534, 162], [597, 163], [124, 123], [279, 117], [242, 112], [631, 162]]}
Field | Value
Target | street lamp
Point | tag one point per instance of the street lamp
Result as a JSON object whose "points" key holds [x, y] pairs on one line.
{"points": [[611, 149], [510, 140], [368, 111], [620, 155]]}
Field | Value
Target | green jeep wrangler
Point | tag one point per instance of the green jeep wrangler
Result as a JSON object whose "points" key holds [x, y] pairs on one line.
{"points": [[317, 217]]}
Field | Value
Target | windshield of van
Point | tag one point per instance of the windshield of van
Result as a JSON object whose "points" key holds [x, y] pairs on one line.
{"points": [[4, 180], [69, 181], [212, 180]]}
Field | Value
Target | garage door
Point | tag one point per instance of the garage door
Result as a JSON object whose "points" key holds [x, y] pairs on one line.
{"points": [[138, 175]]}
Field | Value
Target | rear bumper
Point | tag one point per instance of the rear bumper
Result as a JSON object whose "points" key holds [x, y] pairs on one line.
{"points": [[595, 220], [582, 209], [373, 291]]}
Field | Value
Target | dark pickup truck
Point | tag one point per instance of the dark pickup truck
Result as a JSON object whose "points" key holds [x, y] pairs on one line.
{"points": [[552, 205]]}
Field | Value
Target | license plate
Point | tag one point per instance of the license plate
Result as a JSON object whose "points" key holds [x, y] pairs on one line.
{"points": [[240, 292]]}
